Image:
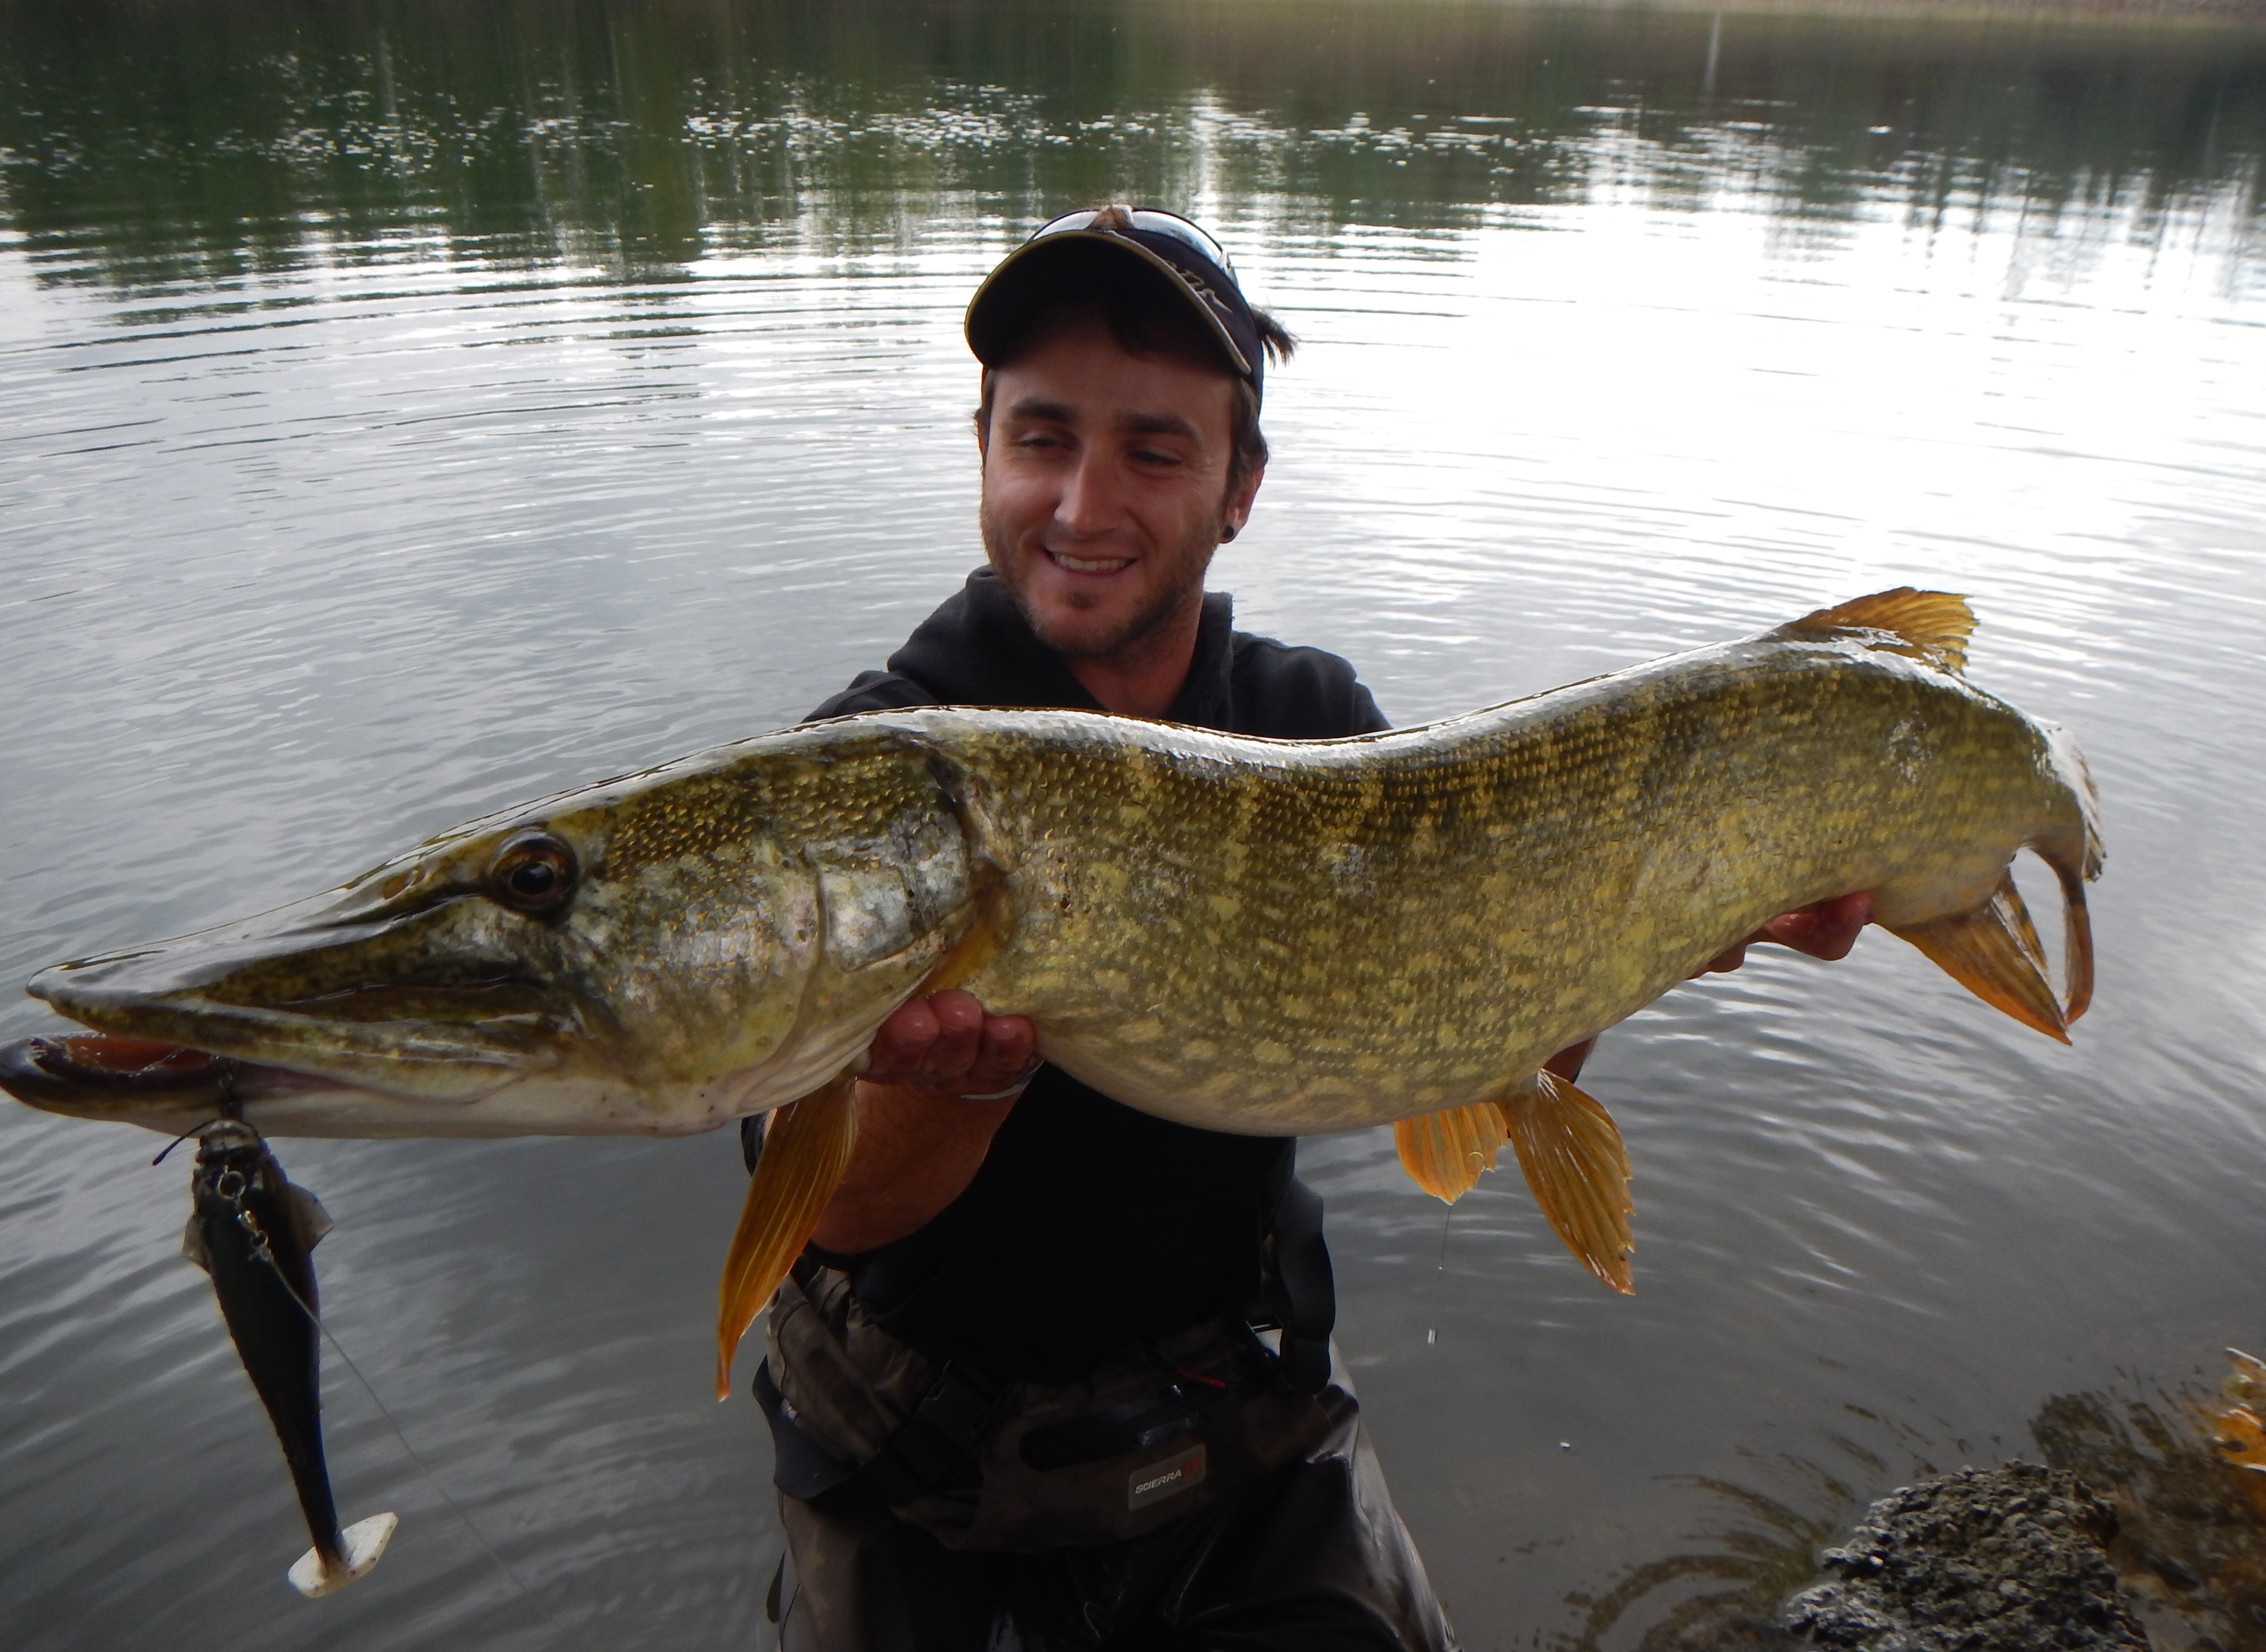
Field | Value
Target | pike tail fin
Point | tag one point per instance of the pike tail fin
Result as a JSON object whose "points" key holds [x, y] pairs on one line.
{"points": [[2076, 945], [1446, 1152], [360, 1546], [1994, 951], [1578, 1171], [2075, 853], [806, 1151]]}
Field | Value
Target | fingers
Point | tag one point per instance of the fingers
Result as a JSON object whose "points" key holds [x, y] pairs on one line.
{"points": [[945, 1045], [903, 1041], [1826, 930], [959, 1035], [1723, 962], [1010, 1048]]}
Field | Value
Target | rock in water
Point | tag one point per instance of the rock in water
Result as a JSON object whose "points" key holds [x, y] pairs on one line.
{"points": [[2001, 1560]]}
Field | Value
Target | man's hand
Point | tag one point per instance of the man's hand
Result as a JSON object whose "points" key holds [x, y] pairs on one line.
{"points": [[1826, 930], [940, 1078], [945, 1045]]}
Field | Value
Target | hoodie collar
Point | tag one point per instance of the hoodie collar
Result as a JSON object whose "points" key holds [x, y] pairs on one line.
{"points": [[978, 650]]}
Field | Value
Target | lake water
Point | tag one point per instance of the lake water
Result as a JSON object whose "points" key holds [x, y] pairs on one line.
{"points": [[407, 408]]}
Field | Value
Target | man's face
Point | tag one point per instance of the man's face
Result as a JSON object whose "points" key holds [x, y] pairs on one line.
{"points": [[1105, 484]]}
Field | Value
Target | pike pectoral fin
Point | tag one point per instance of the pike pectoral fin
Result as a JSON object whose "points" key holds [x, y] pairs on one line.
{"points": [[1994, 951], [361, 1545], [1446, 1152], [1577, 1170], [806, 1151]]}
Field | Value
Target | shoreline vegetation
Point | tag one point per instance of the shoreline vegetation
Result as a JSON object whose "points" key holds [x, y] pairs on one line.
{"points": [[2152, 12]]}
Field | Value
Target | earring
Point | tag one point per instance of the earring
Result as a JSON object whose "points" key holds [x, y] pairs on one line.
{"points": [[1226, 532]]}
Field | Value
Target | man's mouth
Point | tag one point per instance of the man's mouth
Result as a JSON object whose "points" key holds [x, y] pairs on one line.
{"points": [[1089, 565]]}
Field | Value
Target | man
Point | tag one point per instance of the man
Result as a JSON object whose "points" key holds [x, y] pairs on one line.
{"points": [[1015, 1390]]}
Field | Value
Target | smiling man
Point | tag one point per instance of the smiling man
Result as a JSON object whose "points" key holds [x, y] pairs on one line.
{"points": [[1017, 1384]]}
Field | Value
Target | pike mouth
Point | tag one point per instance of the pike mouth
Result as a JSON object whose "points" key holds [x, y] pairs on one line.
{"points": [[88, 1069], [290, 1008]]}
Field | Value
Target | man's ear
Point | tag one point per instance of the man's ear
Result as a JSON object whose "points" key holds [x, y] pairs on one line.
{"points": [[1237, 511]]}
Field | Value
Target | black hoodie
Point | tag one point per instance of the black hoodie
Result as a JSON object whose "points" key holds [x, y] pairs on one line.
{"points": [[1089, 1226]]}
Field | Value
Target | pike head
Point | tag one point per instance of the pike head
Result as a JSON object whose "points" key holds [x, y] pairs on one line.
{"points": [[657, 955]]}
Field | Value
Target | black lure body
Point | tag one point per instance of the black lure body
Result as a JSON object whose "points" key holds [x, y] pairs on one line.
{"points": [[254, 1232]]}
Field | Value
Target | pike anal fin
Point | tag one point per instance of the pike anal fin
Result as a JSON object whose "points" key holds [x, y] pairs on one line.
{"points": [[1994, 951], [1578, 1172], [1446, 1152], [806, 1153]]}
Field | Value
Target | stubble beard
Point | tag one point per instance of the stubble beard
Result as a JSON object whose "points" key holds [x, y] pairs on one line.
{"points": [[1189, 560]]}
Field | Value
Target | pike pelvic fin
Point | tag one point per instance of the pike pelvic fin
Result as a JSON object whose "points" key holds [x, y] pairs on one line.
{"points": [[1994, 951], [1446, 1152], [1578, 1171], [806, 1151], [1930, 626]]}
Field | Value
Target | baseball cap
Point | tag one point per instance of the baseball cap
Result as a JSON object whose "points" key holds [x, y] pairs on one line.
{"points": [[1082, 251]]}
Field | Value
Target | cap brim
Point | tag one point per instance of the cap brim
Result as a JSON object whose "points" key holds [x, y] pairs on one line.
{"points": [[1044, 272]]}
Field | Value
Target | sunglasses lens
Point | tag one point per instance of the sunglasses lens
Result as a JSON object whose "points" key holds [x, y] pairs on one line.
{"points": [[1154, 222], [1180, 229], [1064, 224]]}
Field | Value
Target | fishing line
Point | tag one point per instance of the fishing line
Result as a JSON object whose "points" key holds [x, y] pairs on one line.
{"points": [[1439, 1271], [262, 1250]]}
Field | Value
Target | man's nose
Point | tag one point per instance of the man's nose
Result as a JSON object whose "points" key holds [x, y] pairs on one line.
{"points": [[1090, 498]]}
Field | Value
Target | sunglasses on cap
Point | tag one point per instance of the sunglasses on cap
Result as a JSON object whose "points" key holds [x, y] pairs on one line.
{"points": [[1147, 218]]}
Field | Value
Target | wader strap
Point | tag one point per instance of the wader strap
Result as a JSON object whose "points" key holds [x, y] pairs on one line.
{"points": [[941, 1436], [1308, 1307]]}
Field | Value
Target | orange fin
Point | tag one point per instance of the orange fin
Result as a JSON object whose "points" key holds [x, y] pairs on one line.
{"points": [[806, 1151], [1994, 951], [1931, 626], [992, 925], [1578, 1171], [1446, 1152], [2076, 930], [2241, 1441]]}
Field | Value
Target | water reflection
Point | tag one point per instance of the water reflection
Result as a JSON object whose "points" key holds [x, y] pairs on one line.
{"points": [[408, 409], [156, 143]]}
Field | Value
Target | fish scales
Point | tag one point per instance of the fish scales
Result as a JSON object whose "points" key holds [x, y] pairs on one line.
{"points": [[1335, 937]]}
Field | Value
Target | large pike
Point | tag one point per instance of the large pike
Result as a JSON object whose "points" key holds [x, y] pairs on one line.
{"points": [[1272, 938]]}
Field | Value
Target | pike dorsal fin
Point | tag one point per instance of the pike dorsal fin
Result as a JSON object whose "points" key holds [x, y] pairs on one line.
{"points": [[806, 1152], [1931, 626], [1446, 1152], [1578, 1171]]}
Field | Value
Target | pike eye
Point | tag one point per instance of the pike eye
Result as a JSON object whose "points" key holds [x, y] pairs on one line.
{"points": [[533, 874]]}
